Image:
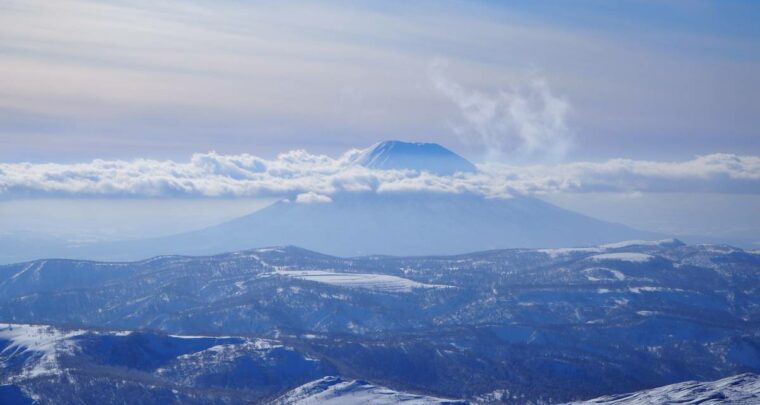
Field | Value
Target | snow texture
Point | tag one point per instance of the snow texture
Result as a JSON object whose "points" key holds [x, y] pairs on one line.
{"points": [[44, 342], [743, 389], [375, 282], [336, 391]]}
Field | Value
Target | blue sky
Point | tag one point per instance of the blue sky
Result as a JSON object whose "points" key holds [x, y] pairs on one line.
{"points": [[615, 109], [163, 80]]}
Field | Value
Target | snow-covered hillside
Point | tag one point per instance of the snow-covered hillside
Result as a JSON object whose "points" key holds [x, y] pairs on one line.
{"points": [[743, 389], [41, 346], [376, 282], [337, 391], [519, 325], [57, 366]]}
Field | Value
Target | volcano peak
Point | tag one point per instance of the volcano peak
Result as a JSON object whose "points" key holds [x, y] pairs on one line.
{"points": [[429, 157]]}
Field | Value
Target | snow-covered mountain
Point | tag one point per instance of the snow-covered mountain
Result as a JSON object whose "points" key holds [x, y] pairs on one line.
{"points": [[545, 325], [355, 224], [429, 157], [49, 365], [337, 391], [361, 223], [45, 364], [743, 389]]}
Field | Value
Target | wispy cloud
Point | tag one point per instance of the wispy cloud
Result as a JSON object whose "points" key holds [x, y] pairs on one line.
{"points": [[525, 122], [117, 79], [313, 178]]}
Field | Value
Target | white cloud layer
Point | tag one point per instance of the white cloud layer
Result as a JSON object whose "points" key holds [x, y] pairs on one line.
{"points": [[312, 198], [313, 178]]}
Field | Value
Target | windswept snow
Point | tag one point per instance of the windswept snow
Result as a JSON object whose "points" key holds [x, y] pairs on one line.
{"points": [[376, 282], [336, 391], [743, 389], [44, 342], [625, 257], [603, 274]]}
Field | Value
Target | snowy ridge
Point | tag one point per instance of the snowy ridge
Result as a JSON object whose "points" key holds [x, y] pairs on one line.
{"points": [[629, 243], [44, 342], [375, 282], [250, 326], [558, 252], [158, 368], [743, 389], [336, 391]]}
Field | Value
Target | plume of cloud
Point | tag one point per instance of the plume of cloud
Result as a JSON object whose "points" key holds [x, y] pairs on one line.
{"points": [[525, 122], [310, 178]]}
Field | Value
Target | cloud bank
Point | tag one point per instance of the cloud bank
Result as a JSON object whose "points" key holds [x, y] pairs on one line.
{"points": [[310, 178]]}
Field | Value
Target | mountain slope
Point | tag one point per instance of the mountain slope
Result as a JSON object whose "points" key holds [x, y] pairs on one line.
{"points": [[396, 224], [549, 325], [374, 222], [54, 366], [336, 391], [743, 389], [40, 364], [420, 223]]}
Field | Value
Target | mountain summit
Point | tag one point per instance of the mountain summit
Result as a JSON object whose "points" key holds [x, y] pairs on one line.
{"points": [[429, 157], [348, 223]]}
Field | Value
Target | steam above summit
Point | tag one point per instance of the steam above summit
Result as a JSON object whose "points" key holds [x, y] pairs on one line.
{"points": [[429, 157]]}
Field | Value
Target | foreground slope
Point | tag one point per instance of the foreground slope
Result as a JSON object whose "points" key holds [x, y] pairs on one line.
{"points": [[549, 325], [46, 365], [41, 364], [51, 365], [743, 389]]}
